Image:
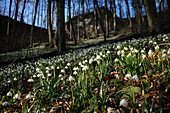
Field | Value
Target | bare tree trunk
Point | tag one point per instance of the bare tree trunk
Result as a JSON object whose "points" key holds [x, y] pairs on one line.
{"points": [[14, 24], [130, 21], [55, 39], [9, 17], [49, 21], [137, 16], [61, 27], [4, 8], [74, 12], [150, 9], [95, 18], [84, 25], [22, 14], [32, 27], [106, 20], [114, 17], [52, 20], [71, 23], [120, 8], [78, 25], [101, 22]]}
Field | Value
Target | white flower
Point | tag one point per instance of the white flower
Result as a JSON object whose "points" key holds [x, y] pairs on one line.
{"points": [[68, 64], [98, 57], [150, 52], [9, 94], [71, 78], [60, 75], [116, 60], [47, 68], [5, 103], [123, 102], [34, 76], [164, 51], [52, 67], [15, 79], [142, 51], [75, 73], [76, 69], [125, 48], [135, 77], [16, 96], [62, 71], [157, 47], [108, 52], [118, 47], [117, 76], [28, 96], [49, 74], [30, 80], [85, 68], [129, 55], [123, 52], [58, 67], [164, 56], [91, 61], [143, 56], [128, 76], [66, 67], [118, 53]]}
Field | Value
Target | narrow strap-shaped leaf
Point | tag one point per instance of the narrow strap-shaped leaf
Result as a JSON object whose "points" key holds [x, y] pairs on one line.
{"points": [[160, 103], [152, 105]]}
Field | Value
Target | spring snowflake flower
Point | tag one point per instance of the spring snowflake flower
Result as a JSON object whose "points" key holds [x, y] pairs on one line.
{"points": [[49, 74], [143, 56], [135, 77], [58, 67], [85, 68], [116, 60], [52, 67], [164, 51], [15, 79], [123, 102], [118, 53], [150, 52], [116, 76], [118, 47], [108, 52], [5, 103], [76, 69], [62, 71], [142, 51], [125, 48], [66, 67], [28, 96], [47, 68], [129, 55], [16, 96], [164, 56], [98, 57], [9, 94], [91, 61], [157, 47], [30, 80], [75, 73], [71, 78], [128, 76], [68, 64]]}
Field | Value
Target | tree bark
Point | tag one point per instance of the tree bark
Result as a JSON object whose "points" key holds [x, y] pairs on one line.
{"points": [[14, 24], [114, 17], [71, 23], [84, 24], [138, 17], [22, 14], [33, 24], [120, 8], [128, 12], [101, 22], [49, 21], [4, 8], [9, 17], [106, 20], [95, 18], [52, 20], [61, 26], [150, 9]]}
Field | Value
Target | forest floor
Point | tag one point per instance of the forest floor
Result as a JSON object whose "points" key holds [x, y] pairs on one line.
{"points": [[42, 51]]}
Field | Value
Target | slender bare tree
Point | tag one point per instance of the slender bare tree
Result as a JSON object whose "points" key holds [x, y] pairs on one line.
{"points": [[128, 12]]}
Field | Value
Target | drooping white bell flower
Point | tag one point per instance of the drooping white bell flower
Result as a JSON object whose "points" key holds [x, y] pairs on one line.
{"points": [[5, 103], [28, 96], [123, 102], [9, 94], [135, 77]]}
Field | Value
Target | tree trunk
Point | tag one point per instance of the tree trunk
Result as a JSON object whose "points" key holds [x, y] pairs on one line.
{"points": [[168, 2], [49, 21], [150, 9], [120, 8], [61, 26], [4, 8], [84, 26], [114, 17], [52, 20], [78, 25], [9, 17], [71, 23], [101, 22], [95, 18], [128, 12], [14, 24], [32, 27], [22, 14], [106, 20], [137, 17]]}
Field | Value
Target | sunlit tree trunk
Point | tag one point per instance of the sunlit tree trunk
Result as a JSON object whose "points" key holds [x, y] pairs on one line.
{"points": [[49, 21], [55, 40], [137, 16], [114, 17], [128, 12], [84, 26], [120, 8], [106, 20], [71, 23], [52, 20], [95, 18], [33, 24], [78, 25]]}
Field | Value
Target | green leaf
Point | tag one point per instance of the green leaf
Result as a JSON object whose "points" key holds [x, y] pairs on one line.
{"points": [[152, 105], [160, 103]]}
